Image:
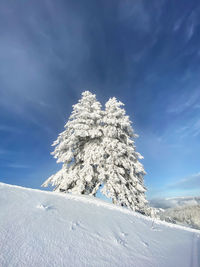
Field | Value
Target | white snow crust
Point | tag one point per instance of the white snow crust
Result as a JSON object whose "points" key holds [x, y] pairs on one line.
{"points": [[39, 228]]}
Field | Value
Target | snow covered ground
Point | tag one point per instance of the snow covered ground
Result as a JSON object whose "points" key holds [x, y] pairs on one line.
{"points": [[39, 228]]}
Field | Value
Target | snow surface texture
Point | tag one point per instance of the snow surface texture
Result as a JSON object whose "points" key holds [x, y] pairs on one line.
{"points": [[40, 228]]}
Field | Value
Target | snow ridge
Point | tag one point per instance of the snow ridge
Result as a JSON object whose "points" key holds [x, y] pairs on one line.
{"points": [[101, 203]]}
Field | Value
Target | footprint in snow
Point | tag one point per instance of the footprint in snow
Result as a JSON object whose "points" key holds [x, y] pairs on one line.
{"points": [[75, 225], [121, 239], [124, 234], [156, 229], [44, 207], [97, 235], [145, 243]]}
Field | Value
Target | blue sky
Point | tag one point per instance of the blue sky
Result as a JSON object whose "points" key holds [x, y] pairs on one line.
{"points": [[145, 53]]}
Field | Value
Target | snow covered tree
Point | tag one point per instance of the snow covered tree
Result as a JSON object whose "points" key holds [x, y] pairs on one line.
{"points": [[122, 173], [78, 147], [97, 148]]}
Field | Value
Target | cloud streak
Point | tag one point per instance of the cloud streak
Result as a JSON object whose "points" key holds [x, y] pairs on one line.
{"points": [[6, 128], [191, 129], [191, 182], [185, 102], [17, 166]]}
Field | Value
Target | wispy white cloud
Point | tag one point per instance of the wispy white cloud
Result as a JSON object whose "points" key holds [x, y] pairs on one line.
{"points": [[188, 186], [136, 11], [4, 151], [140, 14], [191, 129], [166, 203], [190, 31], [178, 24], [182, 129], [196, 128], [6, 128], [190, 182], [18, 166], [197, 106], [184, 102], [192, 22]]}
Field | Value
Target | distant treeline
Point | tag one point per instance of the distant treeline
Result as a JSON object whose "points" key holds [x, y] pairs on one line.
{"points": [[185, 215]]}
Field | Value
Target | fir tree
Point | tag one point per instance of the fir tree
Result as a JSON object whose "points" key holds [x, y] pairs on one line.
{"points": [[122, 173], [98, 148], [78, 148]]}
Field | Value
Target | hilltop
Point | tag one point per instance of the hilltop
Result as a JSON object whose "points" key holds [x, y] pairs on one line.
{"points": [[39, 228]]}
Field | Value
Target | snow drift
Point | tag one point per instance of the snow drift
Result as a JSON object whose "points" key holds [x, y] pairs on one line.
{"points": [[39, 228]]}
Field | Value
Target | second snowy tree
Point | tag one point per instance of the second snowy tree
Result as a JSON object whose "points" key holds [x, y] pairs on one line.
{"points": [[123, 173]]}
